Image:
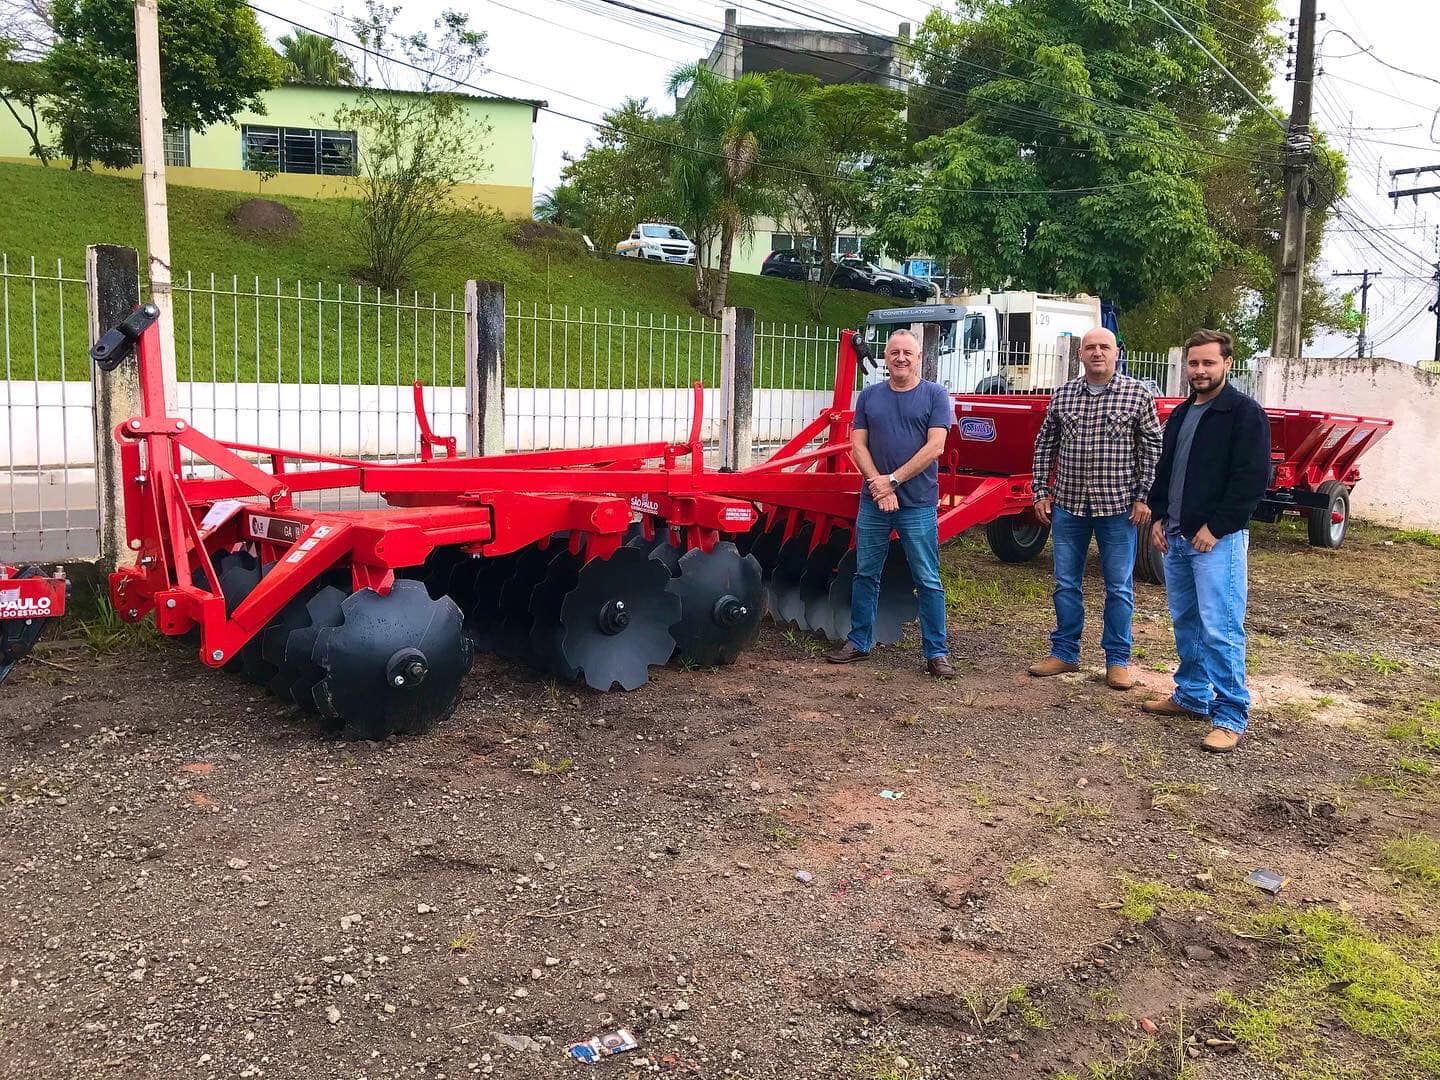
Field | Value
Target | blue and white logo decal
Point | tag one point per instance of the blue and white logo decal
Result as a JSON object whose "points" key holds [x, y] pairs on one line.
{"points": [[977, 429]]}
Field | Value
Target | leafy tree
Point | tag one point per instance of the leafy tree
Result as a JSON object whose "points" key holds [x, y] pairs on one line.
{"points": [[24, 88], [214, 62], [623, 176], [415, 149], [728, 134], [562, 205], [828, 189], [1074, 146], [314, 58]]}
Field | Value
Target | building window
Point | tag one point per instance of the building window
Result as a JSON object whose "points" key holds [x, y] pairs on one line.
{"points": [[298, 150], [177, 145], [847, 245], [785, 241]]}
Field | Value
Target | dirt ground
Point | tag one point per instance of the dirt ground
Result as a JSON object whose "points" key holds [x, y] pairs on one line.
{"points": [[193, 883]]}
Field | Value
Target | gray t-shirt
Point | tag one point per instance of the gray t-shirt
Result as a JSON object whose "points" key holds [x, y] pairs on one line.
{"points": [[897, 424], [1097, 388], [1183, 442]]}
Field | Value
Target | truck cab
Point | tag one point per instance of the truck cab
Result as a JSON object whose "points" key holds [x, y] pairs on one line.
{"points": [[658, 242], [995, 342]]}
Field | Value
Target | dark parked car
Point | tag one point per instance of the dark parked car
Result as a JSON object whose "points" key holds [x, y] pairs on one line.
{"points": [[891, 283], [796, 264]]}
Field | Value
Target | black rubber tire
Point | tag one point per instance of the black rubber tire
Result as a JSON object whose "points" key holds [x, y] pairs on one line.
{"points": [[884, 289], [1017, 538], [1325, 532], [1149, 560]]}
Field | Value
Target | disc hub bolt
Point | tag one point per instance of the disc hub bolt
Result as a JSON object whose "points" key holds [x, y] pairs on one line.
{"points": [[730, 611], [407, 667], [614, 617]]}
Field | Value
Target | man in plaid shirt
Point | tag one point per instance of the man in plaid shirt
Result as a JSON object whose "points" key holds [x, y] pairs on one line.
{"points": [[1094, 461]]}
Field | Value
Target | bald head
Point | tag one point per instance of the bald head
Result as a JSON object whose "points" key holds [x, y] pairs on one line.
{"points": [[1099, 352]]}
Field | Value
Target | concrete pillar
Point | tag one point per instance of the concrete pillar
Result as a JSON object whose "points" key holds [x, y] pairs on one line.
{"points": [[731, 54], [485, 367], [737, 387], [112, 276]]}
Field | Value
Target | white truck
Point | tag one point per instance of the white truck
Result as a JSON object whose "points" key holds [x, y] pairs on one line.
{"points": [[658, 242], [994, 342]]}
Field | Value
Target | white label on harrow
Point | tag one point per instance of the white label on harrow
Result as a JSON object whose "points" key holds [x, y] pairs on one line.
{"points": [[218, 514], [737, 513], [308, 544], [645, 504]]}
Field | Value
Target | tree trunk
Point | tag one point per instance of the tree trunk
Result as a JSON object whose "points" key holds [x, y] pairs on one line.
{"points": [[722, 273], [702, 298]]}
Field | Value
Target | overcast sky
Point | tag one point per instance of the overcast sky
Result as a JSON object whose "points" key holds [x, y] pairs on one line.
{"points": [[583, 57]]}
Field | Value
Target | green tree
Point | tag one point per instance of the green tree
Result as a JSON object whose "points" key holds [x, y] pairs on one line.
{"points": [[415, 148], [1070, 146], [729, 134], [214, 62], [314, 58], [623, 177], [24, 88], [562, 205], [829, 189]]}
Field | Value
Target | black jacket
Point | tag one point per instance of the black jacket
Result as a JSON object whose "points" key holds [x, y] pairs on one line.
{"points": [[1229, 466]]}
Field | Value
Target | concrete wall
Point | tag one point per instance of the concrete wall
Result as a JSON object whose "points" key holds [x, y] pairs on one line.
{"points": [[1400, 480], [502, 176]]}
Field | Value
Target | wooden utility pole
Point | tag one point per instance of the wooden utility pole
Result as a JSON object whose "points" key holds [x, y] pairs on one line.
{"points": [[1290, 283], [152, 165], [1364, 276]]}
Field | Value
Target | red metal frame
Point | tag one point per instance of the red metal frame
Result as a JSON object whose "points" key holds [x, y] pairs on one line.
{"points": [[30, 597]]}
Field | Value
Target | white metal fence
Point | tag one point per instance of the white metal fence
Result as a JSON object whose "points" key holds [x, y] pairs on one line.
{"points": [[329, 369]]}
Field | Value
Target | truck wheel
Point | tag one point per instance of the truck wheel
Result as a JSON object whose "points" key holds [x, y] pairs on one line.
{"points": [[1149, 560], [1017, 538], [1329, 522]]}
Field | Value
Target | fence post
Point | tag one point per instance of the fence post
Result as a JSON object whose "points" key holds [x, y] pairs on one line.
{"points": [[930, 352], [485, 366], [737, 387], [112, 276], [1174, 373]]}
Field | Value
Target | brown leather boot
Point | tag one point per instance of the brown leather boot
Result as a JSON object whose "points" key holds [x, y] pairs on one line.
{"points": [[940, 667], [1051, 665], [1220, 740], [1169, 707], [846, 654], [1118, 677]]}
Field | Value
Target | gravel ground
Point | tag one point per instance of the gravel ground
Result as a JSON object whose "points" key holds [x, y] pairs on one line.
{"points": [[194, 883]]}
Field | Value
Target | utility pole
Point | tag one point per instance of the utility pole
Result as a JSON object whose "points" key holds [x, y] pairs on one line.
{"points": [[1364, 276], [1299, 190], [1436, 310], [152, 166]]}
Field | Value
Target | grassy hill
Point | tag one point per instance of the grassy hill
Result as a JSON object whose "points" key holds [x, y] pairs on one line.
{"points": [[52, 214]]}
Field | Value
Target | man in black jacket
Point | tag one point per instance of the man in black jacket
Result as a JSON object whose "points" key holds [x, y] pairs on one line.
{"points": [[1213, 471]]}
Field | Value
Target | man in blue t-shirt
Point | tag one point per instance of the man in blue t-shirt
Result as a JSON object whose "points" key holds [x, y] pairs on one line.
{"points": [[896, 441]]}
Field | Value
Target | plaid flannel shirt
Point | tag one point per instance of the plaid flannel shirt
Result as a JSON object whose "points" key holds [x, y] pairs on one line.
{"points": [[1096, 453]]}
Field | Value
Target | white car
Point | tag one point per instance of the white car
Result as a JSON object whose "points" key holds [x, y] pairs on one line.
{"points": [[658, 242]]}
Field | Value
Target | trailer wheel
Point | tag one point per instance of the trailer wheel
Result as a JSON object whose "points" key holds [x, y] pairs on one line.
{"points": [[1328, 523], [1017, 538], [1149, 560]]}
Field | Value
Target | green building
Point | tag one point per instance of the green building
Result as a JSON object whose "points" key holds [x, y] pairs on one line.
{"points": [[297, 138]]}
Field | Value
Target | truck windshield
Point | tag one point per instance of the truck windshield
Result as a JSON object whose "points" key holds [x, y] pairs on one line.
{"points": [[663, 232], [880, 333]]}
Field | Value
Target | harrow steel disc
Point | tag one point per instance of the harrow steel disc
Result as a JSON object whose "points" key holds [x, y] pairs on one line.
{"points": [[897, 605], [561, 576], [616, 621], [393, 664], [815, 582], [299, 674], [512, 639], [722, 600], [239, 574], [293, 616], [786, 605], [766, 548], [482, 617], [745, 542]]}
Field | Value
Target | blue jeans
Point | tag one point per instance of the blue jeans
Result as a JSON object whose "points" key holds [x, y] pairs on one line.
{"points": [[1207, 594], [920, 538], [1070, 541]]}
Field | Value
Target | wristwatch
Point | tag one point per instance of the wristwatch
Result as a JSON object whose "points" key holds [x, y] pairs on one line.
{"points": [[893, 482]]}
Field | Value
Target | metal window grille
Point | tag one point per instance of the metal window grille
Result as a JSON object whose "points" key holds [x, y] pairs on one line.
{"points": [[177, 146], [298, 150]]}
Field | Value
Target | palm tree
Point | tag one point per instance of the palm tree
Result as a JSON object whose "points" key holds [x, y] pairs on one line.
{"points": [[313, 58], [728, 130], [562, 205]]}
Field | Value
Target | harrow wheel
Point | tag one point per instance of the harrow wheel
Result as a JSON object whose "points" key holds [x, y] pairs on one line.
{"points": [[615, 623], [299, 674], [897, 605], [722, 600], [483, 618], [546, 600], [787, 606], [512, 638], [393, 663], [815, 582]]}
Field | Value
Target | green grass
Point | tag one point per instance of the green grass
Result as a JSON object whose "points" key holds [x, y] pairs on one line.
{"points": [[52, 214], [1415, 857], [1424, 537], [1143, 900], [1336, 973]]}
